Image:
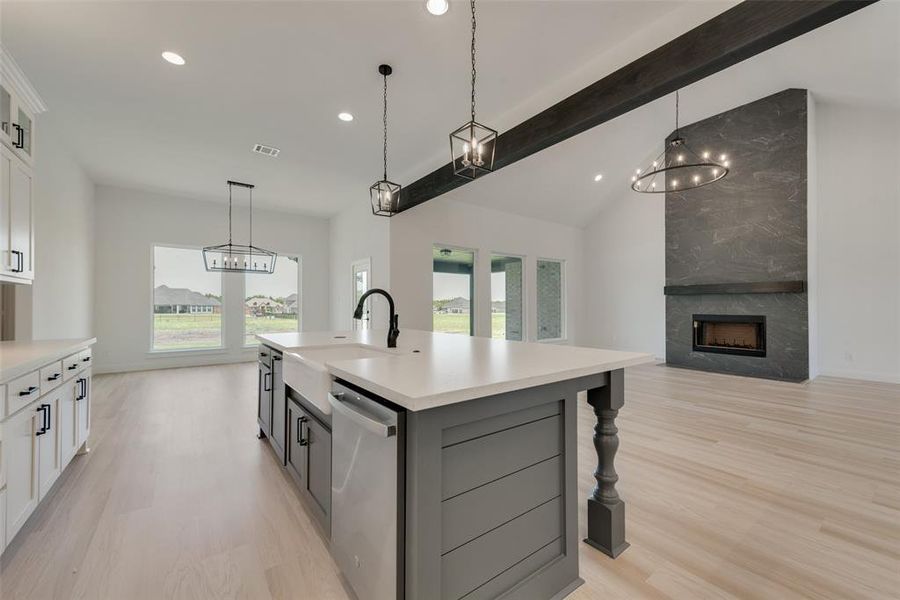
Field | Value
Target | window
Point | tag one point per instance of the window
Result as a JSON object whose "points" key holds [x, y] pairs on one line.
{"points": [[272, 302], [453, 286], [506, 297], [550, 300], [361, 279], [187, 301]]}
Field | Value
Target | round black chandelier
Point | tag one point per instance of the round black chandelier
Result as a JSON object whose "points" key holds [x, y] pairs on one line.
{"points": [[679, 168], [472, 145], [385, 194]]}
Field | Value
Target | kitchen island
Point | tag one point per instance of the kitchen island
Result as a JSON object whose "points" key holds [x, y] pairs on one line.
{"points": [[485, 471]]}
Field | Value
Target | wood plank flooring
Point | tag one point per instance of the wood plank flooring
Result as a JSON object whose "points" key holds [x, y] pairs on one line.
{"points": [[735, 488]]}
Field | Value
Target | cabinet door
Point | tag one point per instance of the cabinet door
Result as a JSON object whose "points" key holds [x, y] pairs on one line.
{"points": [[20, 445], [6, 259], [279, 408], [2, 520], [67, 424], [22, 133], [20, 221], [264, 400], [318, 468], [83, 409], [49, 465], [5, 114], [295, 457]]}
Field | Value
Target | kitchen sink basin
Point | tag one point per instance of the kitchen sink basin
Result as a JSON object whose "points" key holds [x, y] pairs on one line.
{"points": [[306, 370]]}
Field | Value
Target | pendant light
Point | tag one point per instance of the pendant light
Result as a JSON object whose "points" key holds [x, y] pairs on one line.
{"points": [[679, 168], [385, 194], [237, 258], [472, 145]]}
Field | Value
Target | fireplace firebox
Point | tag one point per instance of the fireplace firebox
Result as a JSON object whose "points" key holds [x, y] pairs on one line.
{"points": [[744, 335]]}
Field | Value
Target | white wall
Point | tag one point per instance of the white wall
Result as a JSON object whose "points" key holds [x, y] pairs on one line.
{"points": [[60, 303], [129, 223], [446, 220], [625, 271], [357, 234], [859, 242]]}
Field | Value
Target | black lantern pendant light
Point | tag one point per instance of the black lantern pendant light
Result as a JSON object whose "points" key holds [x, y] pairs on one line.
{"points": [[238, 258], [679, 168], [385, 195], [472, 145]]}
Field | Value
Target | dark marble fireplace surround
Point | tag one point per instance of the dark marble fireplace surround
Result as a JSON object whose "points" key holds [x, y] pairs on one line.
{"points": [[749, 228]]}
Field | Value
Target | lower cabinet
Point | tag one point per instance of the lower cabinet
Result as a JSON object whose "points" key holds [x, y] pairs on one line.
{"points": [[264, 395], [49, 465], [82, 408], [21, 448], [279, 408], [309, 461]]}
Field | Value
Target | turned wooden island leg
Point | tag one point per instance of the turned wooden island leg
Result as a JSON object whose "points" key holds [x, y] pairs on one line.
{"points": [[606, 511]]}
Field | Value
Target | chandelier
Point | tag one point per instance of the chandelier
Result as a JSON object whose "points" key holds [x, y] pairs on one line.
{"points": [[679, 167], [472, 145], [239, 258], [385, 194]]}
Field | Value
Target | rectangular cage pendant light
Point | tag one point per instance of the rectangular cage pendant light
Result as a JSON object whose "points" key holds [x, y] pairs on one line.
{"points": [[239, 258]]}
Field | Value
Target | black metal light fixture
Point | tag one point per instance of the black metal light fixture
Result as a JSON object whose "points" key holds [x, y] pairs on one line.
{"points": [[679, 168], [385, 194], [472, 145], [239, 258]]}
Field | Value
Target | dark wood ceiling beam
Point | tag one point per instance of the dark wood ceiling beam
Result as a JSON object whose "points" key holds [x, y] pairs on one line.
{"points": [[737, 34]]}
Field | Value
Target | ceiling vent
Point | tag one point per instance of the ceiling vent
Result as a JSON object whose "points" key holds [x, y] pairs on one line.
{"points": [[266, 150]]}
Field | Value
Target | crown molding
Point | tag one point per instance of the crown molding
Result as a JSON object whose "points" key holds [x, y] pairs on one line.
{"points": [[11, 73]]}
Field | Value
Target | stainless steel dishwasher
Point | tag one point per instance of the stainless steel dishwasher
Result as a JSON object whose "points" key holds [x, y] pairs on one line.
{"points": [[367, 493]]}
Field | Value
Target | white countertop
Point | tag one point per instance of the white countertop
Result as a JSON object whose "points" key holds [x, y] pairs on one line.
{"points": [[18, 358], [453, 368]]}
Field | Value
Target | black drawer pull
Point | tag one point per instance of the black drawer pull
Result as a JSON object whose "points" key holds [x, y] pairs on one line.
{"points": [[86, 359], [73, 366], [54, 377], [300, 422], [43, 430], [31, 389]]}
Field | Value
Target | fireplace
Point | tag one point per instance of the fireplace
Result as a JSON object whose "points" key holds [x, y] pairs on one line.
{"points": [[730, 334]]}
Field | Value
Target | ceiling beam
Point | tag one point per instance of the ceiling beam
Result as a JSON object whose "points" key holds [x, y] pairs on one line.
{"points": [[751, 27]]}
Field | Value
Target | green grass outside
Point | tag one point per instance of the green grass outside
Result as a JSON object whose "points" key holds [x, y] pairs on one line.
{"points": [[451, 323], [186, 331]]}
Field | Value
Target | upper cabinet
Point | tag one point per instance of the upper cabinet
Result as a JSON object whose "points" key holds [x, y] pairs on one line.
{"points": [[19, 103]]}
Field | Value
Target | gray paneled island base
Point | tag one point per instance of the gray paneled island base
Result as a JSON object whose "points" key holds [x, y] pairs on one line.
{"points": [[488, 497]]}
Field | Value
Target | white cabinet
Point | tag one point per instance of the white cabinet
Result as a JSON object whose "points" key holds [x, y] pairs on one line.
{"points": [[16, 219], [49, 464], [83, 408], [20, 447], [68, 422]]}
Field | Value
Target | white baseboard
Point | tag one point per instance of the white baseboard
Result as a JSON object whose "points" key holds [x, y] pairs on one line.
{"points": [[170, 363], [861, 375]]}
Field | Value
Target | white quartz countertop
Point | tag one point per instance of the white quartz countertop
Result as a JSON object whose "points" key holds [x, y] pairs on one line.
{"points": [[18, 358], [449, 368]]}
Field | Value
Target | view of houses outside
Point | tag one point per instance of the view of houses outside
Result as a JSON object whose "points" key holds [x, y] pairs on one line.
{"points": [[452, 309], [187, 301], [271, 301]]}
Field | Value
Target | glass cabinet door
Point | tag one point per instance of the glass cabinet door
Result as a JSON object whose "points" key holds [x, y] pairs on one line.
{"points": [[21, 135], [5, 112]]}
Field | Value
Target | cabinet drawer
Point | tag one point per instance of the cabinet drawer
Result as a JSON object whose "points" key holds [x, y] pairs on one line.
{"points": [[22, 391], [71, 366], [51, 376], [85, 357]]}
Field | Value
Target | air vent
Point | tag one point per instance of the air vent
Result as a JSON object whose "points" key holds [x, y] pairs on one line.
{"points": [[267, 150]]}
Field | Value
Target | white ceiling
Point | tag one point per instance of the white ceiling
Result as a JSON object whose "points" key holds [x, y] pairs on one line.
{"points": [[278, 73], [854, 61]]}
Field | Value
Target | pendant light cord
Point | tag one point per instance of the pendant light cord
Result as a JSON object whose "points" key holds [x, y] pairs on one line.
{"points": [[229, 212], [473, 59], [676, 114], [251, 223], [385, 127]]}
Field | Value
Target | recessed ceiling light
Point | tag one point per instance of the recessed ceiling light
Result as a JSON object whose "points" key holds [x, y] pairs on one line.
{"points": [[598, 176], [173, 58], [345, 116], [437, 7]]}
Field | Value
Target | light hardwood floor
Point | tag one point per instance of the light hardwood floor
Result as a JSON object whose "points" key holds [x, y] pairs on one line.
{"points": [[736, 488]]}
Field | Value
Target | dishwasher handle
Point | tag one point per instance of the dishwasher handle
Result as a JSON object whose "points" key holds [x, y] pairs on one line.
{"points": [[363, 420]]}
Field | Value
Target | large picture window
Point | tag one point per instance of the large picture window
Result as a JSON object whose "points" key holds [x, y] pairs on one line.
{"points": [[453, 286], [272, 302], [506, 297], [187, 301], [551, 300]]}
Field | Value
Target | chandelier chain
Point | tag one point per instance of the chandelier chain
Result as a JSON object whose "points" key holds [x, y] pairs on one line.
{"points": [[229, 212], [385, 127], [676, 114], [473, 59]]}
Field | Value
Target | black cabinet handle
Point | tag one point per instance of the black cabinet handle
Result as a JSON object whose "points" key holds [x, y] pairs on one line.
{"points": [[300, 422], [276, 357], [43, 430], [31, 389], [73, 366], [20, 136], [266, 387], [83, 393], [47, 414], [20, 262], [54, 377], [86, 359]]}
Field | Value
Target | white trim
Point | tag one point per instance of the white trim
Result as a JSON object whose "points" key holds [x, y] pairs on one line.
{"points": [[860, 375], [12, 73]]}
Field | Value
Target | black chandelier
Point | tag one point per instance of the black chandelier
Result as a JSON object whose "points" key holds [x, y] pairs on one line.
{"points": [[679, 168], [385, 194], [472, 145], [239, 258]]}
